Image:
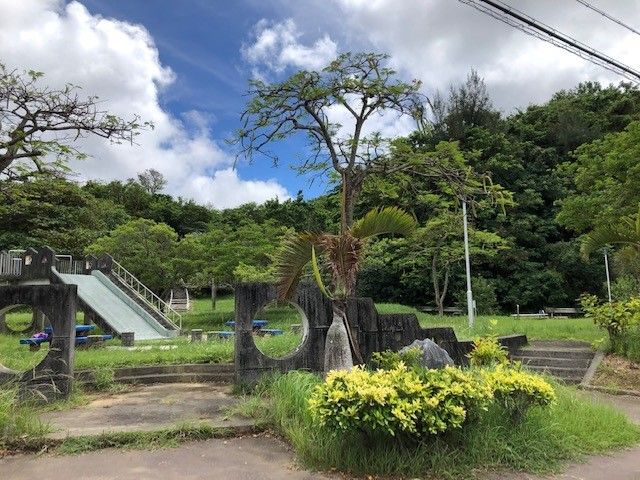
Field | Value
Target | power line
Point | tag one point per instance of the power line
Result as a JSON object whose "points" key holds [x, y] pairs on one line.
{"points": [[610, 17], [535, 28]]}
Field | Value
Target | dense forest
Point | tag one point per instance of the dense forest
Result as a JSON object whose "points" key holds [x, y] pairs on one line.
{"points": [[571, 165]]}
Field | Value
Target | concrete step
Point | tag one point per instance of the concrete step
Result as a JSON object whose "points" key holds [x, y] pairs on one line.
{"points": [[177, 378], [577, 363], [550, 352]]}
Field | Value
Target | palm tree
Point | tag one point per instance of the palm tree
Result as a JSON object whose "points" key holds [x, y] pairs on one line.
{"points": [[625, 233], [343, 255]]}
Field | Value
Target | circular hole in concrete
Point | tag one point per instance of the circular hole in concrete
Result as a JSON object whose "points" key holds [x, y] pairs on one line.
{"points": [[279, 329], [18, 318], [17, 321]]}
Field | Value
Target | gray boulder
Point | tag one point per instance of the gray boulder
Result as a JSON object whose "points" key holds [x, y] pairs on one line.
{"points": [[433, 356]]}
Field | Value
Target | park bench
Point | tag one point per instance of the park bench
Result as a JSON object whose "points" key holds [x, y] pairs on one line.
{"points": [[270, 331], [256, 324], [563, 311], [531, 315], [445, 310], [82, 340]]}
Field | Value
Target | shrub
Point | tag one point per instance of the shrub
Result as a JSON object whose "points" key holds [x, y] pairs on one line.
{"points": [[620, 319], [400, 402], [388, 360], [487, 352], [518, 391]]}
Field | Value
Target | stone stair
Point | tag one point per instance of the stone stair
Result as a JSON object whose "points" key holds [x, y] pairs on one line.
{"points": [[567, 360]]}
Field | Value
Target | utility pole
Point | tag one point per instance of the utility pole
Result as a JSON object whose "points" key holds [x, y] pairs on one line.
{"points": [[606, 267], [467, 260]]}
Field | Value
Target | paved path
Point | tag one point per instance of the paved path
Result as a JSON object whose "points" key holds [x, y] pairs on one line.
{"points": [[147, 408], [248, 458]]}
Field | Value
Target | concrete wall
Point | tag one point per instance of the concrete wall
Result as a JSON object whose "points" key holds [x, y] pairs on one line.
{"points": [[373, 332]]}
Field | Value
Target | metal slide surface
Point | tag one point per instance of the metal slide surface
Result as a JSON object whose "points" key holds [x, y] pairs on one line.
{"points": [[113, 308]]}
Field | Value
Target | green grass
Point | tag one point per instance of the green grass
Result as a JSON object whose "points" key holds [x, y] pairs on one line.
{"points": [[19, 422], [534, 328], [18, 357], [569, 429], [164, 438], [203, 316]]}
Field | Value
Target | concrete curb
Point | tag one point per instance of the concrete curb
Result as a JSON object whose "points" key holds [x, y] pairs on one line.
{"points": [[609, 390], [593, 367], [181, 373]]}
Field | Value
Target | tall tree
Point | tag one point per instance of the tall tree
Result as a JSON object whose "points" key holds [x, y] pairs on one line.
{"points": [[359, 83], [152, 180], [39, 124]]}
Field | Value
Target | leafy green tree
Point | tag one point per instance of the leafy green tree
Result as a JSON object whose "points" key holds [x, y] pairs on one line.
{"points": [[603, 177], [145, 248], [54, 212]]}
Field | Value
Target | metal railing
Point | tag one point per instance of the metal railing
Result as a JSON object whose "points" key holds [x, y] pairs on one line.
{"points": [[146, 295], [11, 263], [66, 264]]}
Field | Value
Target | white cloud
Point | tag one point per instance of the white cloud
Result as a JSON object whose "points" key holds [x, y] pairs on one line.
{"points": [[222, 188], [277, 46], [119, 62], [439, 41]]}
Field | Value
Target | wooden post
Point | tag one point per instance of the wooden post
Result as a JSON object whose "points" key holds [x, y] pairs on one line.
{"points": [[213, 293]]}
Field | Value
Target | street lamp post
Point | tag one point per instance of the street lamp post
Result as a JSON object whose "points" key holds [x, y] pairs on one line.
{"points": [[467, 260]]}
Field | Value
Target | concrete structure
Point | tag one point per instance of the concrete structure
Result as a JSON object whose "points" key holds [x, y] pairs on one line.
{"points": [[109, 295], [53, 376], [372, 332]]}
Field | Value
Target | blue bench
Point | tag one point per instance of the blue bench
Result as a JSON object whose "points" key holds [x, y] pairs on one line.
{"points": [[270, 331], [256, 324], [81, 337], [224, 334]]}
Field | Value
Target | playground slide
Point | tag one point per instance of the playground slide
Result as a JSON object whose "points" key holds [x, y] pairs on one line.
{"points": [[114, 307]]}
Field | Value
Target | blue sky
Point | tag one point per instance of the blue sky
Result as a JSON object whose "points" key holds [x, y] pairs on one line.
{"points": [[201, 41], [184, 64]]}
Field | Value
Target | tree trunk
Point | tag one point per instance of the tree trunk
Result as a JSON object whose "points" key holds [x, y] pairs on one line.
{"points": [[351, 188], [337, 350]]}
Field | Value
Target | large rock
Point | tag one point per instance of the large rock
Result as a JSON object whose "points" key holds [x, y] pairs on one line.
{"points": [[433, 356]]}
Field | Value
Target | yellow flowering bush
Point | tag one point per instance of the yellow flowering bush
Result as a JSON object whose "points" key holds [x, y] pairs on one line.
{"points": [[399, 401], [488, 352], [517, 391]]}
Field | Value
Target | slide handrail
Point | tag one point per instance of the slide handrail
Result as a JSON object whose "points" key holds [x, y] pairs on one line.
{"points": [[146, 295]]}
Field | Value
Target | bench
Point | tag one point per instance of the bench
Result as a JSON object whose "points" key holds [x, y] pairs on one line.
{"points": [[256, 324], [445, 310], [86, 341], [221, 334], [270, 331], [531, 315], [563, 311]]}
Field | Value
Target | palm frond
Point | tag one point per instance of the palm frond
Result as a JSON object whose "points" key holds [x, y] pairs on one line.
{"points": [[623, 234], [294, 254], [316, 273], [382, 221]]}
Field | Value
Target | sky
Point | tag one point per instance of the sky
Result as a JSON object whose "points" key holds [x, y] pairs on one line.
{"points": [[185, 64]]}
